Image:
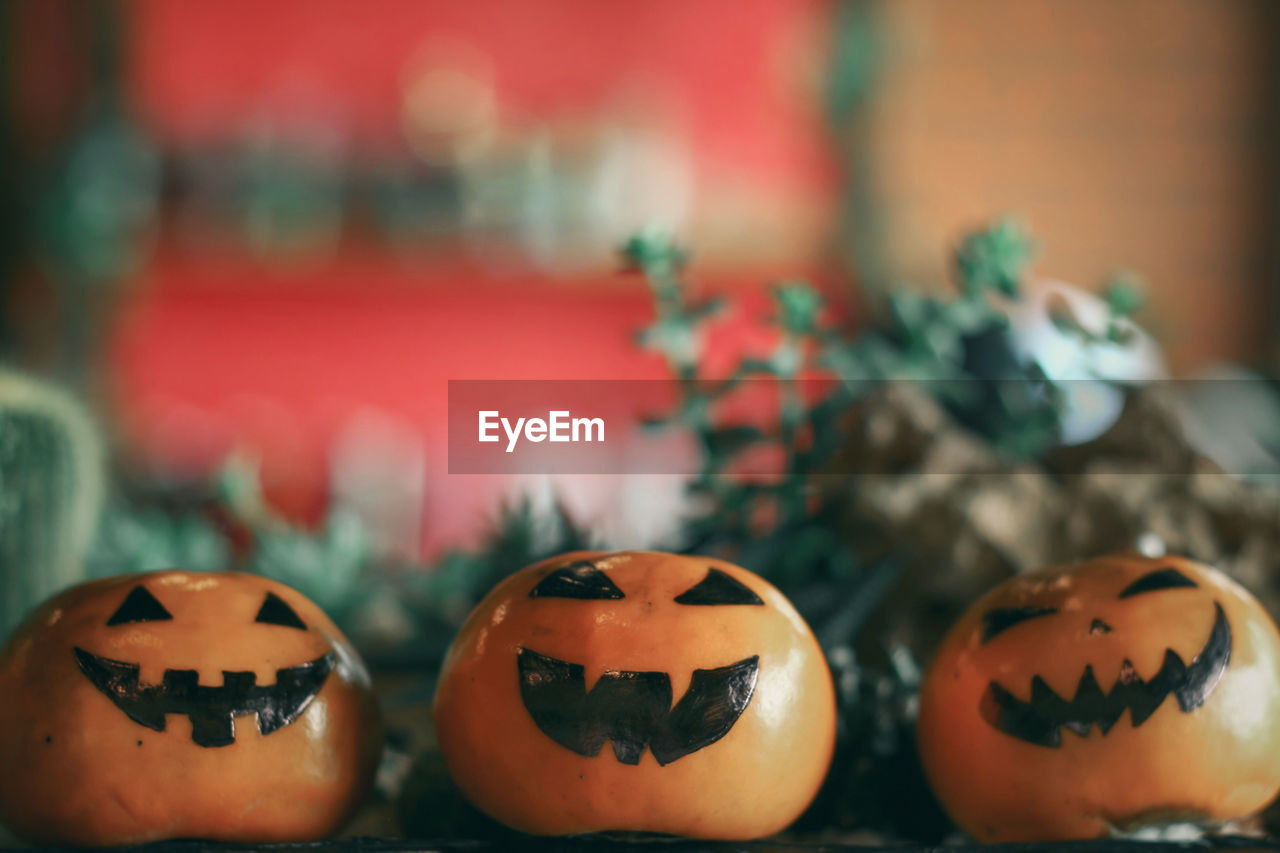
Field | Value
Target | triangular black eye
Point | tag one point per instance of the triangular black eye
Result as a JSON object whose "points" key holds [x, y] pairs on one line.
{"points": [[275, 612], [577, 580], [1159, 579], [139, 606], [1004, 618], [718, 588]]}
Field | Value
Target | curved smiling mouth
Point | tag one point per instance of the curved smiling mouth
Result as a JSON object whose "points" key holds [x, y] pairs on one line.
{"points": [[212, 709], [633, 709], [1040, 720]]}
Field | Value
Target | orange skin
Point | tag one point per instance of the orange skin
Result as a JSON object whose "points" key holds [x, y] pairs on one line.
{"points": [[1219, 762], [79, 771], [752, 782]]}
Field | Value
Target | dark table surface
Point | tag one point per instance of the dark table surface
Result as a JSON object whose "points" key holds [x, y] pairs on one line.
{"points": [[603, 844]]}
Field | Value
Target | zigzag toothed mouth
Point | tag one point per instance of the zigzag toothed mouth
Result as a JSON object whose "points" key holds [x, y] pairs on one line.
{"points": [[212, 709], [633, 710], [1040, 719]]}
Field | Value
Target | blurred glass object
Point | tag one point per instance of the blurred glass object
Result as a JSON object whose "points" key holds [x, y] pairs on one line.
{"points": [[1086, 349], [378, 475]]}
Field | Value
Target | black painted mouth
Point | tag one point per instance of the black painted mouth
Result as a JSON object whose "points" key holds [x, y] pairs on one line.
{"points": [[1040, 720], [632, 710], [212, 709]]}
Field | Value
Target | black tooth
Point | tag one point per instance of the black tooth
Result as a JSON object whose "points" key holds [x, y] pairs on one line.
{"points": [[213, 729], [1088, 690], [1116, 712], [1173, 669], [1045, 698], [1005, 712], [627, 751], [238, 681], [1128, 674], [1092, 705], [1131, 692], [707, 711], [1087, 706], [181, 684], [1142, 706], [1041, 691]]}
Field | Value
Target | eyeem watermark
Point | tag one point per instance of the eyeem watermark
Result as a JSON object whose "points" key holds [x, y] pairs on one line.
{"points": [[638, 426], [559, 426]]}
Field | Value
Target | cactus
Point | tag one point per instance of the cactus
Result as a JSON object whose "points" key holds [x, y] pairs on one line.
{"points": [[51, 486]]}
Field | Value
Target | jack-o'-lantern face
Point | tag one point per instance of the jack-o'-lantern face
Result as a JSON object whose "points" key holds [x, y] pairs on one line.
{"points": [[1109, 694], [191, 702], [709, 690], [211, 709]]}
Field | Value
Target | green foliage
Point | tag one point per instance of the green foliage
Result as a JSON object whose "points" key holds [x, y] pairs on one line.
{"points": [[1124, 295], [146, 539], [794, 528], [939, 341], [994, 258], [329, 565], [226, 526], [798, 307], [675, 330]]}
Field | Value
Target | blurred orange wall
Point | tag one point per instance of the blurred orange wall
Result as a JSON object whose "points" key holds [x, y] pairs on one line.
{"points": [[1139, 134]]}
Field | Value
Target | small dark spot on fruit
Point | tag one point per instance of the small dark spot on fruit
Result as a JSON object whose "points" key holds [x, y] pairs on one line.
{"points": [[139, 743], [48, 738]]}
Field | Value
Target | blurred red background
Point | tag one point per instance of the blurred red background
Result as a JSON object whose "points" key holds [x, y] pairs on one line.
{"points": [[221, 351]]}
